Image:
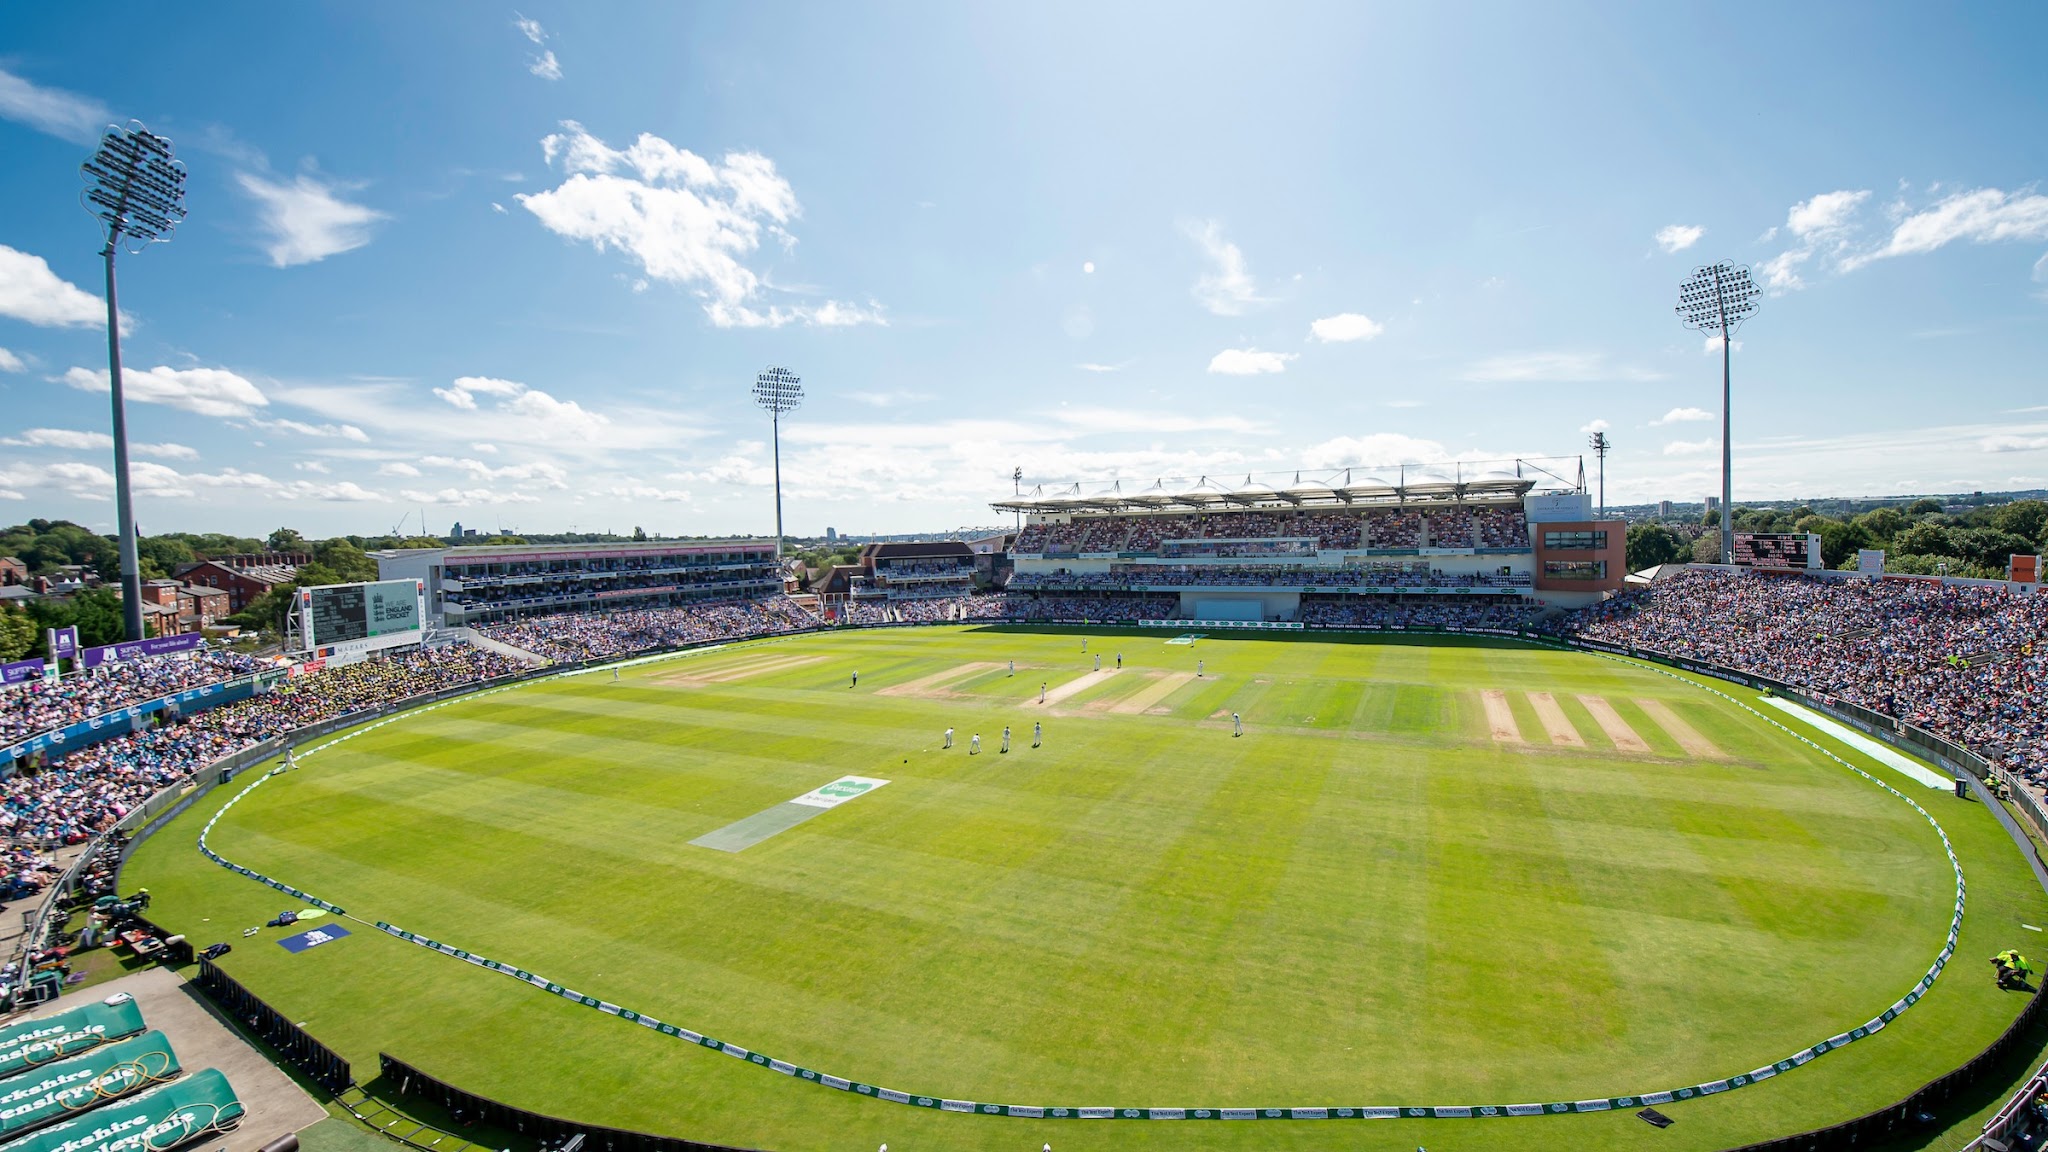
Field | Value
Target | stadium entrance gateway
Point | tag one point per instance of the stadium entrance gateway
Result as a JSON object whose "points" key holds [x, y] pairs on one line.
{"points": [[786, 815]]}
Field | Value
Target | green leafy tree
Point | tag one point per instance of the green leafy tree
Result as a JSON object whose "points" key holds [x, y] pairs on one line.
{"points": [[1707, 549], [1650, 545], [2027, 518], [1924, 540], [1923, 507], [1881, 524], [1989, 548], [285, 540], [17, 634]]}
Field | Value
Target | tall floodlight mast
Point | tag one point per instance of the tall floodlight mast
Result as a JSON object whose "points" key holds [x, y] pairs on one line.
{"points": [[136, 189], [778, 390], [1718, 298], [1599, 443]]}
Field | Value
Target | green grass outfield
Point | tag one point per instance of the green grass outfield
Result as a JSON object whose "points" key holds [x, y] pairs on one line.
{"points": [[1367, 900]]}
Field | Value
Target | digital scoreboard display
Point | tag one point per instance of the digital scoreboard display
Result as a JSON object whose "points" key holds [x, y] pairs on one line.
{"points": [[1784, 551], [386, 611]]}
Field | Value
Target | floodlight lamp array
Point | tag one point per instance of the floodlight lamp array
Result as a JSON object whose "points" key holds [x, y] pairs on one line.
{"points": [[778, 390], [135, 187], [1717, 296]]}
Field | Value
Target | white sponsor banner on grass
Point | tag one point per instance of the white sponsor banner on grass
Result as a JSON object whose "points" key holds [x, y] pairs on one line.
{"points": [[839, 791]]}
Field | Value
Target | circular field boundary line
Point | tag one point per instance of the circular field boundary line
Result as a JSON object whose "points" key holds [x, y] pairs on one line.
{"points": [[761, 1060]]}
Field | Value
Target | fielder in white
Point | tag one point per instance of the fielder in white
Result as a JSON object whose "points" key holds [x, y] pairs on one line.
{"points": [[949, 738]]}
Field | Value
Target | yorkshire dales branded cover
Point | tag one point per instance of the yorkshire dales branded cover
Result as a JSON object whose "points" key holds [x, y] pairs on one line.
{"points": [[33, 1042], [154, 1121], [56, 1091]]}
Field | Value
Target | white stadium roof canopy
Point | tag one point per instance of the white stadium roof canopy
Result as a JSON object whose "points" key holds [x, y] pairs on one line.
{"points": [[1389, 485]]}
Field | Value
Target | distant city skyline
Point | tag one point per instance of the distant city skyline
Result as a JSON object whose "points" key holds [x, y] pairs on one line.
{"points": [[520, 267]]}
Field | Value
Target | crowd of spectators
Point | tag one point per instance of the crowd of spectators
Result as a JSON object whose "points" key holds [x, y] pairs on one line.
{"points": [[1419, 612], [1126, 577], [1094, 609], [40, 705], [573, 637], [71, 796], [1968, 663]]}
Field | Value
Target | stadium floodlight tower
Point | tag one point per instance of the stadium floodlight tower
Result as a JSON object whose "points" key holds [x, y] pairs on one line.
{"points": [[1600, 445], [1718, 298], [135, 187], [778, 390]]}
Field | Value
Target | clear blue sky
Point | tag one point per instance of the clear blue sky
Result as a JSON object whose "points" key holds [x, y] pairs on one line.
{"points": [[520, 266]]}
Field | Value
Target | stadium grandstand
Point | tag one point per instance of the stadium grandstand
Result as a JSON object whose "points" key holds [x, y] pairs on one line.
{"points": [[474, 584], [1490, 543]]}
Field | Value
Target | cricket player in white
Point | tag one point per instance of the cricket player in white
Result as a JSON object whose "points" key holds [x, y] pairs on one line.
{"points": [[1013, 667], [1236, 724], [1098, 661], [1006, 738], [856, 681], [1199, 665], [1037, 733], [949, 738], [974, 744], [1041, 691]]}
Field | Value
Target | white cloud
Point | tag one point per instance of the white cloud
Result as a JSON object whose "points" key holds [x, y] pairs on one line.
{"points": [[1552, 368], [551, 475], [1378, 450], [339, 492], [644, 492], [1982, 216], [1680, 416], [2041, 269], [214, 392], [312, 466], [30, 291], [1690, 447], [65, 115], [166, 451], [2008, 443], [1679, 237], [1228, 288], [1088, 267], [498, 208], [487, 449], [558, 417], [307, 220], [1090, 367], [330, 431], [529, 28], [467, 497], [1712, 345], [9, 362], [61, 438], [1822, 227], [683, 220], [1596, 426], [546, 66], [1345, 327], [1249, 362], [397, 468]]}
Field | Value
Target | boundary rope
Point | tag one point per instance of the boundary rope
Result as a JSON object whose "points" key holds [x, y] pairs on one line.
{"points": [[1325, 1112]]}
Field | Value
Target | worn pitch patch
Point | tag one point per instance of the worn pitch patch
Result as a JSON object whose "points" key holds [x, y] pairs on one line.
{"points": [[1674, 726], [1611, 723], [761, 825], [1501, 718], [1555, 722]]}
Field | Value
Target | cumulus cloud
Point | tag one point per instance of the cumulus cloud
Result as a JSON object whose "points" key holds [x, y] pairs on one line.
{"points": [[1681, 416], [544, 65], [53, 111], [214, 392], [396, 468], [561, 417], [684, 220], [2008, 443], [1596, 425], [1679, 237], [1249, 362], [1345, 327], [549, 474], [1227, 288], [646, 492], [306, 218], [30, 292], [9, 362], [1982, 216], [1820, 226], [467, 497], [1690, 447]]}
